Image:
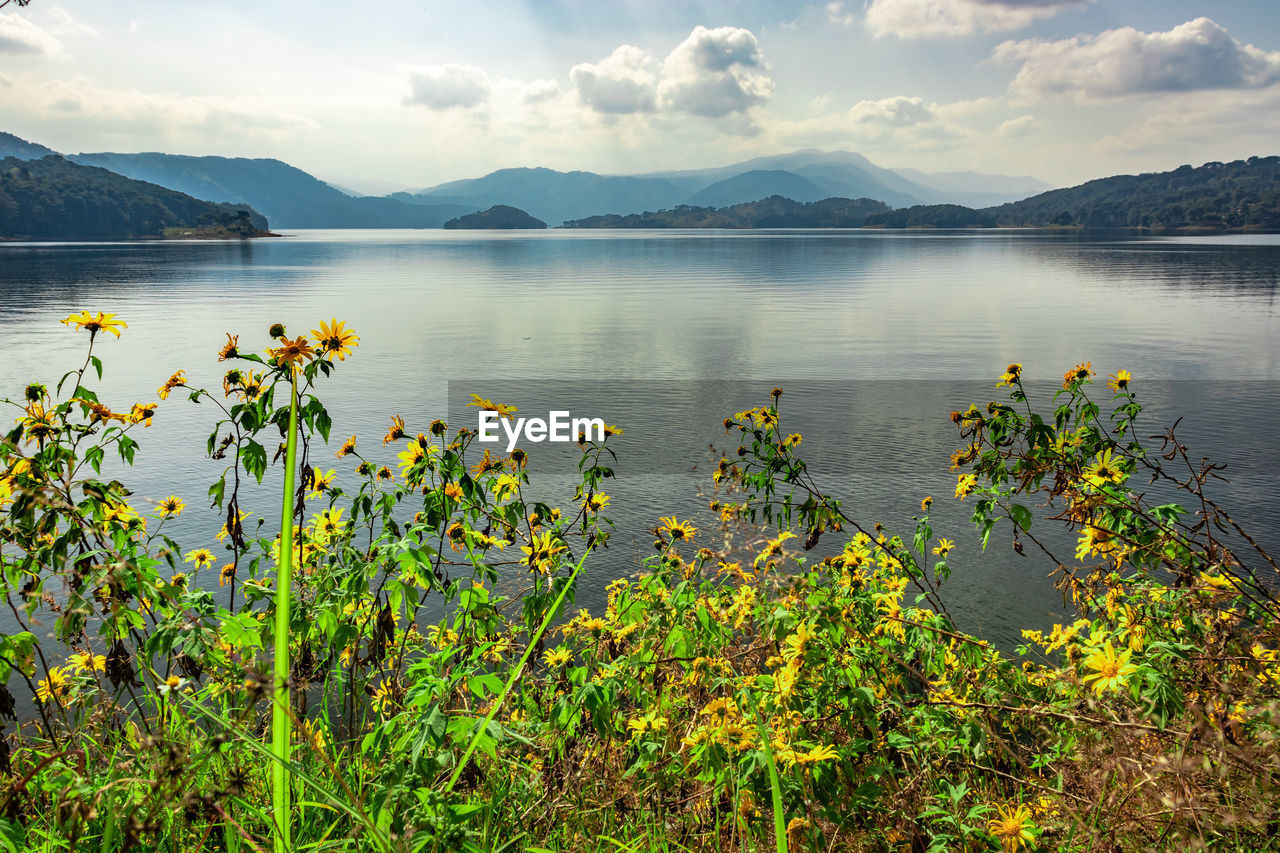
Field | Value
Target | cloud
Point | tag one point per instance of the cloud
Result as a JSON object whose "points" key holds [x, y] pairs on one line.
{"points": [[443, 87], [898, 111], [1015, 127], [836, 14], [621, 83], [1197, 55], [911, 19], [714, 73], [19, 36], [537, 91]]}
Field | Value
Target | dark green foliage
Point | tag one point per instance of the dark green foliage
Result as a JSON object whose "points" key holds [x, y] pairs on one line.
{"points": [[1242, 194], [772, 212], [55, 199], [498, 216]]}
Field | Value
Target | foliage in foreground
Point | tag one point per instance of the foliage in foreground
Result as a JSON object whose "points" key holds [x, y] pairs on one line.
{"points": [[733, 697]]}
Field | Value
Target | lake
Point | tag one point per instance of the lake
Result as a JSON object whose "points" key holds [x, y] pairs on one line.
{"points": [[875, 335]]}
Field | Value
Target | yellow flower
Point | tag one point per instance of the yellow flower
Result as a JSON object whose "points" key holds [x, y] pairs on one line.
{"points": [[88, 662], [1120, 380], [335, 339], [794, 645], [142, 413], [944, 547], [1103, 470], [229, 349], [170, 506], [1014, 828], [965, 485], [539, 552], [485, 404], [1094, 540], [1110, 668], [1012, 374], [54, 685], [396, 431], [320, 481], [292, 351], [824, 752], [176, 380], [1079, 373], [227, 574], [597, 502], [925, 504], [348, 447], [557, 657], [201, 557], [39, 422], [679, 531], [95, 323]]}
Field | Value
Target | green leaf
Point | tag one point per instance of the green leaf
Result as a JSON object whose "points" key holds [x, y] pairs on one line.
{"points": [[1021, 516]]}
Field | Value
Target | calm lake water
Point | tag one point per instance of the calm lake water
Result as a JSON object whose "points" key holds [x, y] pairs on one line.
{"points": [[875, 335]]}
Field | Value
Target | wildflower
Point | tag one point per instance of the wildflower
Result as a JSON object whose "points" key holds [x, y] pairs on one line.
{"points": [[487, 463], [925, 504], [792, 440], [679, 531], [1119, 381], [774, 547], [227, 526], [796, 829], [1094, 540], [179, 579], [95, 323], [794, 645], [943, 548], [485, 404], [39, 422], [557, 657], [396, 430], [329, 525], [227, 574], [320, 481], [201, 557], [229, 349], [292, 352], [1012, 375], [1110, 668], [142, 414], [348, 447], [1013, 828], [453, 491], [441, 637], [170, 506], [540, 551], [965, 485], [175, 381], [88, 662], [385, 473], [98, 413], [1079, 373], [172, 684], [1103, 470], [53, 686], [597, 501], [335, 339], [825, 752]]}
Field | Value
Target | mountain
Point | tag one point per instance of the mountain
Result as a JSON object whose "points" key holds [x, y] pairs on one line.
{"points": [[1243, 194], [12, 146], [498, 216], [772, 212], [757, 184], [286, 195], [808, 175], [556, 196], [55, 199]]}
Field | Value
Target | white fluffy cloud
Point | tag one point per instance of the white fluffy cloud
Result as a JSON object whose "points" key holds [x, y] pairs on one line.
{"points": [[623, 82], [714, 73], [443, 87], [898, 111], [934, 18], [19, 36], [1192, 56]]}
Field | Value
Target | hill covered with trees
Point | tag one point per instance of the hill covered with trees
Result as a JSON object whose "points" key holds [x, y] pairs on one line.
{"points": [[55, 199], [772, 212], [501, 216], [1244, 194]]}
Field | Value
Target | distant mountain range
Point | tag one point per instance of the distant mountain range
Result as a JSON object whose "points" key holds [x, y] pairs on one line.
{"points": [[55, 199], [805, 176]]}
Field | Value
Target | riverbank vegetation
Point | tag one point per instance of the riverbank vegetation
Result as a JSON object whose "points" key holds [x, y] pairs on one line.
{"points": [[740, 694]]}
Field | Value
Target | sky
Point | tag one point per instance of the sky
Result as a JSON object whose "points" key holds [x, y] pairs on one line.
{"points": [[400, 94]]}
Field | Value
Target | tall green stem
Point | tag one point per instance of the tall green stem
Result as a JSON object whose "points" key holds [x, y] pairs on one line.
{"points": [[282, 706]]}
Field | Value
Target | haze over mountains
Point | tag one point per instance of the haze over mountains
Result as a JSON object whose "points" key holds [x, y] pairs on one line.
{"points": [[292, 198]]}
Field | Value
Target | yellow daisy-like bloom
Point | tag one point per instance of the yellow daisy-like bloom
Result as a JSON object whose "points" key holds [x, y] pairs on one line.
{"points": [[142, 413], [396, 431], [335, 339], [54, 685], [1012, 374], [293, 351], [1110, 669], [597, 502], [201, 557], [320, 481], [1119, 381], [679, 531], [87, 662], [1103, 470], [485, 404], [1079, 373], [556, 658], [175, 381], [170, 506], [348, 447], [385, 473], [925, 504], [230, 348], [965, 485], [1014, 828], [1094, 541], [98, 413], [793, 440], [453, 491], [95, 323], [944, 547], [825, 752], [39, 422], [227, 574], [540, 551]]}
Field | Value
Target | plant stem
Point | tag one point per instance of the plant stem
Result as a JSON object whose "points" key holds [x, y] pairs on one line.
{"points": [[282, 706]]}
